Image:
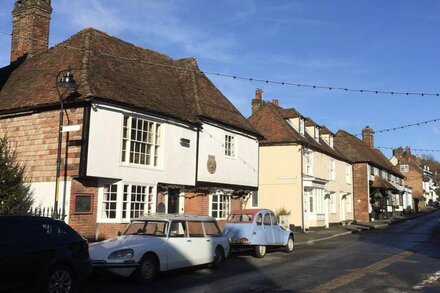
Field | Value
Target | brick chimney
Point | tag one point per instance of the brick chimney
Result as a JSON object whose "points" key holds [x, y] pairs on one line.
{"points": [[398, 153], [275, 102], [258, 102], [368, 136], [30, 27]]}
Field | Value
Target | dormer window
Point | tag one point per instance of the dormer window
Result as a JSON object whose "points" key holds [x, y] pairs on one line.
{"points": [[301, 126], [316, 134], [330, 141]]}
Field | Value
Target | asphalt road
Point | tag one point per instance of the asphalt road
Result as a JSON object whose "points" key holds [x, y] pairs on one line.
{"points": [[404, 257]]}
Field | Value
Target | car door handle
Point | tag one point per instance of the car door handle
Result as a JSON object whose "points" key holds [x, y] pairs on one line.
{"points": [[208, 240], [188, 240]]}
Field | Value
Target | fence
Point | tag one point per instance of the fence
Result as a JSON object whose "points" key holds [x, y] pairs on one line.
{"points": [[36, 211]]}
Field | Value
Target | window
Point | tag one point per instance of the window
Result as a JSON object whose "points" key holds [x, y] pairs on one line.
{"points": [[254, 198], [348, 173], [332, 203], [259, 219], [211, 229], [153, 228], [196, 229], [301, 126], [371, 170], [274, 219], [141, 141], [266, 220], [404, 168], [349, 203], [109, 201], [178, 229], [308, 160], [330, 140], [83, 204], [316, 134], [220, 205], [229, 146], [135, 200], [332, 169]]}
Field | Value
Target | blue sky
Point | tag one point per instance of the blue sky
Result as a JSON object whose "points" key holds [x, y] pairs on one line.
{"points": [[384, 45]]}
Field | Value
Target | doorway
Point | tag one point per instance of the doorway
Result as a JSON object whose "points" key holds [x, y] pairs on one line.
{"points": [[173, 200]]}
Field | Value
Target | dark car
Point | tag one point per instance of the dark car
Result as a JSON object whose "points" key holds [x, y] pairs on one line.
{"points": [[41, 254]]}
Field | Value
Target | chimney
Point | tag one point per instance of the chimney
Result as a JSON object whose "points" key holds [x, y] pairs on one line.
{"points": [[398, 153], [275, 102], [368, 136], [257, 103], [30, 27]]}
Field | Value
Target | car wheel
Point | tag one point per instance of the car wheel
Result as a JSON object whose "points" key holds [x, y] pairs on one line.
{"points": [[219, 257], [59, 280], [260, 251], [147, 270], [289, 246]]}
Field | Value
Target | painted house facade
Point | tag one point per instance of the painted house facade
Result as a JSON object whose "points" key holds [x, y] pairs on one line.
{"points": [[418, 176], [155, 135], [378, 186], [300, 170]]}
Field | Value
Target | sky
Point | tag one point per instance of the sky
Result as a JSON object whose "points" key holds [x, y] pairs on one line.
{"points": [[391, 45]]}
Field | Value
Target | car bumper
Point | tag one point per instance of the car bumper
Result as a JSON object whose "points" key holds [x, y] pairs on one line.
{"points": [[121, 269]]}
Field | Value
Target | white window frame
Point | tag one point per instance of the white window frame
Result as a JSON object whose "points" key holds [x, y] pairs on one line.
{"points": [[102, 202], [348, 173], [230, 145], [404, 168], [147, 144], [223, 207], [332, 169], [308, 161], [149, 205], [301, 126], [128, 202]]}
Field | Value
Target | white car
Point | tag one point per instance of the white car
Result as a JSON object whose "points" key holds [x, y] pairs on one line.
{"points": [[161, 242]]}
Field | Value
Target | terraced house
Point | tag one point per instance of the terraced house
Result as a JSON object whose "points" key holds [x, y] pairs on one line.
{"points": [[300, 169], [141, 133], [378, 186]]}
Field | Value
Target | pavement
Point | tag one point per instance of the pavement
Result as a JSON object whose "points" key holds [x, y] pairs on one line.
{"points": [[321, 234]]}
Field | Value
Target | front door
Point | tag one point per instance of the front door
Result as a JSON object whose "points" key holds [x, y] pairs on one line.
{"points": [[173, 200], [343, 207]]}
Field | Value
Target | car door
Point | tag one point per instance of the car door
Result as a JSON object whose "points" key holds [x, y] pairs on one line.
{"points": [[277, 230], [179, 246], [267, 228], [201, 246]]}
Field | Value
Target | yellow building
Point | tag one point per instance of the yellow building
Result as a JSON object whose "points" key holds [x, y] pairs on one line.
{"points": [[299, 169]]}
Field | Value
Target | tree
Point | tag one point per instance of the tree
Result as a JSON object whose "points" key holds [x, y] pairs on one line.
{"points": [[15, 194]]}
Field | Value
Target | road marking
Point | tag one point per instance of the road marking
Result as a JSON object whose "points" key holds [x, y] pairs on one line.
{"points": [[359, 273]]}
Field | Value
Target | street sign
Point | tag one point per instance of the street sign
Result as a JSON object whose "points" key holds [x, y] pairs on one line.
{"points": [[70, 128]]}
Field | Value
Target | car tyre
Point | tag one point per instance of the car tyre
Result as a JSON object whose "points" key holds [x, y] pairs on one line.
{"points": [[219, 257], [260, 251], [147, 270], [60, 279], [289, 246]]}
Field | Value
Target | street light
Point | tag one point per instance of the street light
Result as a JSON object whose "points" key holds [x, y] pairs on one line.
{"points": [[67, 82]]}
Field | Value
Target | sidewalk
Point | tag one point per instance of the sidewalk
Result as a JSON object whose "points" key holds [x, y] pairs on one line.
{"points": [[316, 235]]}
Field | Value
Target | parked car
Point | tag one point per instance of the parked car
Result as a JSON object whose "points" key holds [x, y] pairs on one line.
{"points": [[257, 228], [161, 242], [39, 252]]}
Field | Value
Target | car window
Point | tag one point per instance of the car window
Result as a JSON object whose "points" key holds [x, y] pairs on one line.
{"points": [[178, 229], [195, 229], [151, 228], [55, 232], [212, 229], [266, 219], [274, 219], [259, 220]]}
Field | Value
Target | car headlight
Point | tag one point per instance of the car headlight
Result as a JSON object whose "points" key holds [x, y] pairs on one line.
{"points": [[122, 254]]}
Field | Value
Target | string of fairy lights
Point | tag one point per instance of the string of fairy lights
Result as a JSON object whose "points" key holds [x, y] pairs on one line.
{"points": [[282, 83]]}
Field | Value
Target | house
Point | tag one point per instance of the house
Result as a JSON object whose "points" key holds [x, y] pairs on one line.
{"points": [[300, 169], [153, 134], [418, 175], [378, 186]]}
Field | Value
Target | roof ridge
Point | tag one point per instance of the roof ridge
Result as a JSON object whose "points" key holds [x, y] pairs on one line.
{"points": [[290, 129]]}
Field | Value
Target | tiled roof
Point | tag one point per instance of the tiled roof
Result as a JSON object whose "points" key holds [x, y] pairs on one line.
{"points": [[359, 152], [383, 184], [271, 122], [187, 95]]}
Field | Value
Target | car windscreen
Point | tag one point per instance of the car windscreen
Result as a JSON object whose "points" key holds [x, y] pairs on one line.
{"points": [[240, 218], [151, 228]]}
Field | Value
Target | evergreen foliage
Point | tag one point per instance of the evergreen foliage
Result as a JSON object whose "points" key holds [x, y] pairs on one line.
{"points": [[15, 194]]}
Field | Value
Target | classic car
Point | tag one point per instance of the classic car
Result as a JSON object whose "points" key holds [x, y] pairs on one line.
{"points": [[161, 242], [257, 228]]}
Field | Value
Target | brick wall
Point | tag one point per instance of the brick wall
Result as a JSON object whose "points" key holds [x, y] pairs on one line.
{"points": [[35, 138], [360, 192]]}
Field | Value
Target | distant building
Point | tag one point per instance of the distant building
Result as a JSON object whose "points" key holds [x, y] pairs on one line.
{"points": [[378, 187], [300, 169]]}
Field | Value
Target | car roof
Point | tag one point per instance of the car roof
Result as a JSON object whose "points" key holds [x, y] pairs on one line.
{"points": [[249, 211], [24, 217], [178, 217]]}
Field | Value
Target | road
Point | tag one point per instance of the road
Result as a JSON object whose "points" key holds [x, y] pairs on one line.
{"points": [[404, 257]]}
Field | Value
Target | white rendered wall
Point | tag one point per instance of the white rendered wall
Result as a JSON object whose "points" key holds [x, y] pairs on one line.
{"points": [[44, 195], [241, 170], [105, 144]]}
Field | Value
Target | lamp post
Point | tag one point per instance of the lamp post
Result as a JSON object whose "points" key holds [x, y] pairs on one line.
{"points": [[66, 81]]}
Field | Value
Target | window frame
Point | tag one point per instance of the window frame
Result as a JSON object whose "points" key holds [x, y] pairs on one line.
{"points": [[230, 146], [78, 195], [222, 213]]}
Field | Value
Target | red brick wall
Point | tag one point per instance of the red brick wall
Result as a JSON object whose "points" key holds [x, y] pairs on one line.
{"points": [[35, 138], [360, 192]]}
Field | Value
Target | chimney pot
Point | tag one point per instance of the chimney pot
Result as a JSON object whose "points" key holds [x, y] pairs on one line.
{"points": [[258, 102], [275, 102], [368, 136]]}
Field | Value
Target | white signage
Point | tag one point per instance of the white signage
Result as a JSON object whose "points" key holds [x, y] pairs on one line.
{"points": [[70, 128]]}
